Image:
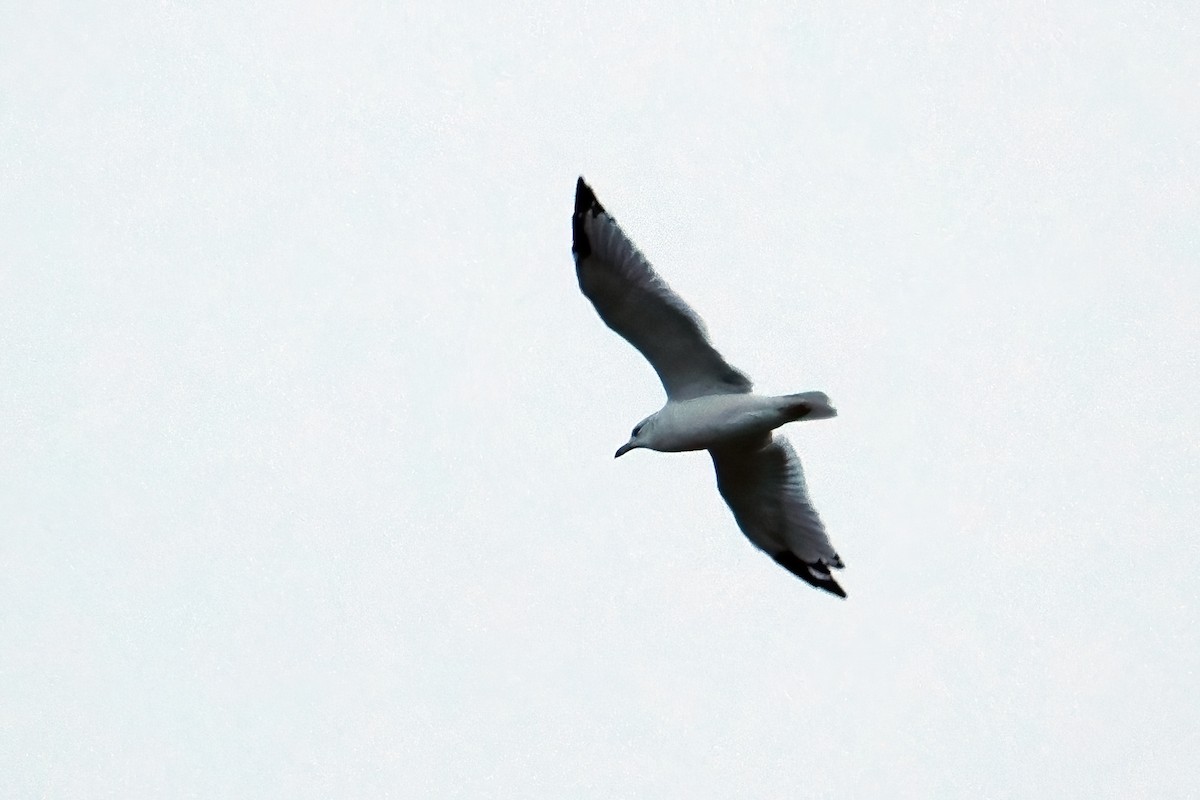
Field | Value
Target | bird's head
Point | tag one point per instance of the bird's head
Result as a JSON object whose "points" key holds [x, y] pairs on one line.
{"points": [[640, 437]]}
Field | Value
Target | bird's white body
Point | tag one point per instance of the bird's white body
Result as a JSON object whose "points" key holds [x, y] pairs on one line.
{"points": [[714, 420]]}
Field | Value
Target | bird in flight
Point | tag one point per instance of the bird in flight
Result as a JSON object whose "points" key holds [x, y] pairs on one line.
{"points": [[710, 404]]}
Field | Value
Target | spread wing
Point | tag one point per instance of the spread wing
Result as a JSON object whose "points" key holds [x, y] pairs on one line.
{"points": [[763, 483], [635, 302]]}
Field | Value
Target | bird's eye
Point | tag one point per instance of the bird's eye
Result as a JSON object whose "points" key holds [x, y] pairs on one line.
{"points": [[636, 431]]}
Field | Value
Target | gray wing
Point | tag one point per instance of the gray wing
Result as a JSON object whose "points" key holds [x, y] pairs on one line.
{"points": [[763, 483], [635, 302]]}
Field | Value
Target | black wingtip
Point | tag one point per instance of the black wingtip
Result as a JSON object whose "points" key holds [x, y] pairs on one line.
{"points": [[585, 202], [585, 198], [812, 574]]}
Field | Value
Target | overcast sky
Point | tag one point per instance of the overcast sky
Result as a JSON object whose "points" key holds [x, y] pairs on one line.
{"points": [[306, 433]]}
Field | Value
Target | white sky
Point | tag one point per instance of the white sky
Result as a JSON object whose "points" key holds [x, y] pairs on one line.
{"points": [[306, 476]]}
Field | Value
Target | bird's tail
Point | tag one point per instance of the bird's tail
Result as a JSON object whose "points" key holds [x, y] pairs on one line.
{"points": [[808, 405]]}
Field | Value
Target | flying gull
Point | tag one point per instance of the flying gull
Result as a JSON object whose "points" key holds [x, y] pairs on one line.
{"points": [[710, 405]]}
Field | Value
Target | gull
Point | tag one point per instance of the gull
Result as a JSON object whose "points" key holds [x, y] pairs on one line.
{"points": [[710, 404]]}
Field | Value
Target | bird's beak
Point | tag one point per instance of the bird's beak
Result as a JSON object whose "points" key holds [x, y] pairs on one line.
{"points": [[625, 448]]}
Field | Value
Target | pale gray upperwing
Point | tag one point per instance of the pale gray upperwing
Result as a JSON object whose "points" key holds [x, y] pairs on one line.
{"points": [[639, 305], [763, 483]]}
